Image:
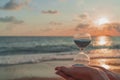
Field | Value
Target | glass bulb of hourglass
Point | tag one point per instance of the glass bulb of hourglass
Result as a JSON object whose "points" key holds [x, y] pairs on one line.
{"points": [[81, 58], [82, 41]]}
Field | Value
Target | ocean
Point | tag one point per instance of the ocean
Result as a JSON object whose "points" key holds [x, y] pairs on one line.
{"points": [[22, 47], [18, 54]]}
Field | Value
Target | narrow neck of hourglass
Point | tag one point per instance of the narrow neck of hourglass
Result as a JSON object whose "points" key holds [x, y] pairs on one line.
{"points": [[81, 49]]}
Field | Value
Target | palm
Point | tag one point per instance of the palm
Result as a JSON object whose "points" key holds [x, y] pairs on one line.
{"points": [[82, 73]]}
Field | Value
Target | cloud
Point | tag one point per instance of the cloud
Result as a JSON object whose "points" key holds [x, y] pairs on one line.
{"points": [[81, 17], [10, 19], [84, 21], [82, 26], [86, 24], [113, 26], [55, 23], [50, 12], [62, 0], [15, 4], [27, 2]]}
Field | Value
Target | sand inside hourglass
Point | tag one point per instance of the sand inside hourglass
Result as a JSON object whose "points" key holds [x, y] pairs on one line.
{"points": [[81, 58], [82, 41]]}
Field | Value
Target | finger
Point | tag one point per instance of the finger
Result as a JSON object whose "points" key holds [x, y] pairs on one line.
{"points": [[109, 73], [64, 76], [65, 70], [99, 67], [58, 68], [74, 70], [71, 72], [76, 73]]}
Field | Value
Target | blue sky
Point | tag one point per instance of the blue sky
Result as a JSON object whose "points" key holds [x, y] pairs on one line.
{"points": [[56, 17]]}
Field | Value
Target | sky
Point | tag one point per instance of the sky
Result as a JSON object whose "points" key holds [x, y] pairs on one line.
{"points": [[59, 17]]}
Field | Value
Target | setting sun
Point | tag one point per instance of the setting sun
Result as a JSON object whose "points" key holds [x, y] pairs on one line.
{"points": [[102, 21]]}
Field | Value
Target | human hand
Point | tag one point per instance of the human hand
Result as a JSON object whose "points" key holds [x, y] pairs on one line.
{"points": [[110, 74], [85, 73]]}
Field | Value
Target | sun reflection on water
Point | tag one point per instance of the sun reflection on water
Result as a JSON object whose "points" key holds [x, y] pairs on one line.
{"points": [[107, 58], [102, 63], [105, 66], [102, 41], [104, 54]]}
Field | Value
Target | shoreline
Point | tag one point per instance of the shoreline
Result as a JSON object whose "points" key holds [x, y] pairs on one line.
{"points": [[39, 71], [42, 66]]}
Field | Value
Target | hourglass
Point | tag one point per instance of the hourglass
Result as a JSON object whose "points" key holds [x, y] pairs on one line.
{"points": [[82, 40]]}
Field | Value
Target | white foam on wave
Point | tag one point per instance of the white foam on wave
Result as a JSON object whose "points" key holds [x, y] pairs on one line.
{"points": [[32, 58], [36, 58]]}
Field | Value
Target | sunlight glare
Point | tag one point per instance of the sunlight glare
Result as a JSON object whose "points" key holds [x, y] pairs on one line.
{"points": [[102, 41], [102, 21], [105, 66], [103, 63]]}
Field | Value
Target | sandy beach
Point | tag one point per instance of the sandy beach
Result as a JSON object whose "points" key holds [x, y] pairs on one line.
{"points": [[37, 78], [39, 71], [44, 70], [36, 36]]}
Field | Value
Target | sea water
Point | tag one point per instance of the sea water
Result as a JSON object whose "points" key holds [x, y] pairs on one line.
{"points": [[17, 52]]}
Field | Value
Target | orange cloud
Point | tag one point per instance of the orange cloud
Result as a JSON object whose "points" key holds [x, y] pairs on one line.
{"points": [[87, 25], [55, 23]]}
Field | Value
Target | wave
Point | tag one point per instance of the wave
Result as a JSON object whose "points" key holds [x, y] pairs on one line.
{"points": [[116, 46], [32, 58], [9, 60], [38, 45], [48, 49], [37, 49]]}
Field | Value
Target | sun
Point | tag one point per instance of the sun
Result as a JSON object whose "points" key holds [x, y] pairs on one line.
{"points": [[102, 20]]}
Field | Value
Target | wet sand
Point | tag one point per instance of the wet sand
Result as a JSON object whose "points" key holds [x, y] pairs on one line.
{"points": [[43, 78], [44, 70], [37, 78]]}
